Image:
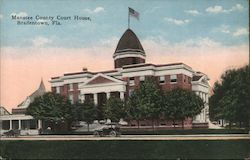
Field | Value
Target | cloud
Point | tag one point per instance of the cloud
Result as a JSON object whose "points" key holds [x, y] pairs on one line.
{"points": [[193, 12], [201, 42], [177, 21], [1, 16], [215, 9], [20, 14], [237, 7], [223, 28], [41, 41], [240, 32], [96, 10], [226, 29], [220, 9]]}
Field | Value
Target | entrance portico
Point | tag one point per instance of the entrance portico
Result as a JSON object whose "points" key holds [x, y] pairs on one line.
{"points": [[102, 87]]}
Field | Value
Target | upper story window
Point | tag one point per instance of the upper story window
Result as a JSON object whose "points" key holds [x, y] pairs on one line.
{"points": [[131, 80], [162, 79], [71, 86], [142, 79], [58, 90], [173, 78]]}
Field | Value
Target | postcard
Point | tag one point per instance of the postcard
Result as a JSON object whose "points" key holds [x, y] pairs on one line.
{"points": [[104, 76]]}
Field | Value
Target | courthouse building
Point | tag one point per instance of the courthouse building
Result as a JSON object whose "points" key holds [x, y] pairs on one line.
{"points": [[131, 69]]}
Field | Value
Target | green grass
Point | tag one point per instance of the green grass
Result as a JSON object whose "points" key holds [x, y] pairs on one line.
{"points": [[200, 149], [185, 131], [142, 131]]}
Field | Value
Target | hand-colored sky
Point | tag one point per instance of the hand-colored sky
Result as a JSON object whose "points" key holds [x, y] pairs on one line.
{"points": [[210, 36]]}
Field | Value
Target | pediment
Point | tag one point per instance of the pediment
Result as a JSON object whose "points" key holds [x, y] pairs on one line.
{"points": [[102, 79], [99, 80]]}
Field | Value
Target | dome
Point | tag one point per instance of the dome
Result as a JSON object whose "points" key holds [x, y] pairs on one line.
{"points": [[129, 42], [129, 50]]}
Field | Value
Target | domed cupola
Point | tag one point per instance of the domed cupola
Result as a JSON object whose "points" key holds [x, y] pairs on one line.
{"points": [[129, 50]]}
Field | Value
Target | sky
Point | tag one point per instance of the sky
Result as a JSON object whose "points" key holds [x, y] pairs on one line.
{"points": [[210, 36]]}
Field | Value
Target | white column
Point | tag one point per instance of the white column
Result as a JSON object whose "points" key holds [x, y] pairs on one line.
{"points": [[95, 98], [10, 124], [19, 124], [122, 95], [39, 124], [82, 98], [108, 95]]}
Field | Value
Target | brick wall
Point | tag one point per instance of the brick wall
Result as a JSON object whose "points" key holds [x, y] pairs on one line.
{"points": [[64, 91]]}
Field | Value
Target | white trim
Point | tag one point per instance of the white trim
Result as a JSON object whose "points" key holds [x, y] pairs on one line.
{"points": [[115, 87], [16, 117], [159, 71], [139, 73], [129, 49], [95, 98], [131, 54]]}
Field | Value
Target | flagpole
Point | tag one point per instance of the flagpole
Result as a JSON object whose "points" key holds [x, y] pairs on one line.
{"points": [[128, 19]]}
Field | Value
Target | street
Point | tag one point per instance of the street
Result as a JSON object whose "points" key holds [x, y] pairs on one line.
{"points": [[134, 137]]}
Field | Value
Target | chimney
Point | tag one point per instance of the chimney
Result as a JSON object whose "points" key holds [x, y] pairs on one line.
{"points": [[84, 69]]}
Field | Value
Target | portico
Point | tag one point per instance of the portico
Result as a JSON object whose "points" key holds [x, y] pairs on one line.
{"points": [[26, 123], [101, 87]]}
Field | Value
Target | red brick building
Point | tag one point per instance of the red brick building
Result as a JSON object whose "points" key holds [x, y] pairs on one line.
{"points": [[130, 69]]}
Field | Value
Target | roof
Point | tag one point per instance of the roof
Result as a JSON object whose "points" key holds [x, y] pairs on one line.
{"points": [[149, 64], [196, 78], [39, 92], [4, 111], [129, 41]]}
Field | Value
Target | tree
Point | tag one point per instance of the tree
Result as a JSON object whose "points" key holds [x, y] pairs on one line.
{"points": [[146, 102], [181, 104], [114, 109], [231, 98], [86, 111], [52, 108]]}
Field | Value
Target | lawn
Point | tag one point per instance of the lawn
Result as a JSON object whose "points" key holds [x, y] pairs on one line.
{"points": [[125, 149]]}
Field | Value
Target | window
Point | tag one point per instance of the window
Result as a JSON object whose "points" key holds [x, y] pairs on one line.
{"points": [[71, 87], [173, 78], [142, 79], [132, 80], [33, 124], [58, 90], [5, 125], [162, 79], [71, 98], [134, 61]]}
